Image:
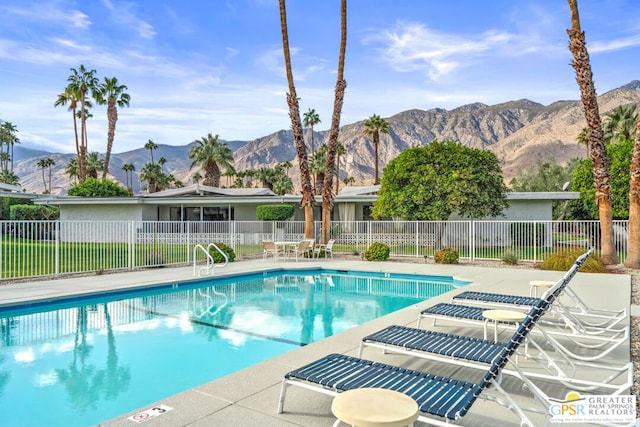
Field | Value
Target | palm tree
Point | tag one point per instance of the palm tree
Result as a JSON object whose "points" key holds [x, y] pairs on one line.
{"points": [[374, 126], [94, 164], [71, 97], [150, 145], [152, 175], [196, 177], [72, 168], [162, 161], [341, 85], [128, 169], [9, 177], [633, 248], [583, 139], [212, 156], [340, 151], [308, 199], [620, 124], [348, 180], [286, 165], [113, 94], [584, 77], [42, 163], [317, 164], [310, 119], [83, 84], [9, 138]]}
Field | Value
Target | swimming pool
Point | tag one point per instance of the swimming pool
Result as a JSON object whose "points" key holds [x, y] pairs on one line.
{"points": [[84, 360]]}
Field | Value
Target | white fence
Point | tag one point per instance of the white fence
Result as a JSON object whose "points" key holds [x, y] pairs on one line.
{"points": [[45, 248]]}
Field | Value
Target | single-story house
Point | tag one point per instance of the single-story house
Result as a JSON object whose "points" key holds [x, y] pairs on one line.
{"points": [[202, 203]]}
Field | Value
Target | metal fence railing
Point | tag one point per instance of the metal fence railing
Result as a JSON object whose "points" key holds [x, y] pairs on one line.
{"points": [[44, 248]]}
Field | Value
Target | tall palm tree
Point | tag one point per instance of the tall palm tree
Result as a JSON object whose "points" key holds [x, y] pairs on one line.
{"points": [[150, 145], [620, 124], [308, 199], [112, 93], [69, 96], [633, 249], [348, 180], [310, 119], [341, 85], [83, 83], [340, 151], [212, 156], [162, 161], [317, 164], [584, 77], [152, 175], [375, 125]]}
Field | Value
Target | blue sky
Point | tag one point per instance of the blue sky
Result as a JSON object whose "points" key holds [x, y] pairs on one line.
{"points": [[199, 66]]}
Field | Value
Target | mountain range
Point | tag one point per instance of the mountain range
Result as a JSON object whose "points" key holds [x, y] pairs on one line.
{"points": [[520, 133]]}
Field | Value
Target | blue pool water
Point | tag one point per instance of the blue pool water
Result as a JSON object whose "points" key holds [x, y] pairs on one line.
{"points": [[85, 360]]}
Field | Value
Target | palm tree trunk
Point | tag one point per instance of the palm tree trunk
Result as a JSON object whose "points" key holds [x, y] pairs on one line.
{"points": [[376, 141], [308, 199], [584, 77], [633, 249], [112, 115], [341, 85]]}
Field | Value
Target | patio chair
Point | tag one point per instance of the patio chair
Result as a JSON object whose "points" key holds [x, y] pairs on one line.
{"points": [[270, 248], [572, 329], [476, 352], [327, 249], [303, 247], [446, 398]]}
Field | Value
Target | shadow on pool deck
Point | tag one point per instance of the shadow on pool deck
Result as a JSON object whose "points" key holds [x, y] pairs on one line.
{"points": [[250, 397]]}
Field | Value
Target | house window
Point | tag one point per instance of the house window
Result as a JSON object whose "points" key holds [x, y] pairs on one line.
{"points": [[194, 213], [366, 213]]}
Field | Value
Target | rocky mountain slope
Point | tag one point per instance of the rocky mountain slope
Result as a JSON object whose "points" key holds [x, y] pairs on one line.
{"points": [[520, 133]]}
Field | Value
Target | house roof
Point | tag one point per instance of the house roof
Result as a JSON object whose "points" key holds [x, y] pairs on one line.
{"points": [[205, 190]]}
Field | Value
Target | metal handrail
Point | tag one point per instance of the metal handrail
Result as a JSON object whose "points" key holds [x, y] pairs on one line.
{"points": [[211, 265]]}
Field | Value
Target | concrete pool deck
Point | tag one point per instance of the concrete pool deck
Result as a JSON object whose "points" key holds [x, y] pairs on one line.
{"points": [[250, 397]]}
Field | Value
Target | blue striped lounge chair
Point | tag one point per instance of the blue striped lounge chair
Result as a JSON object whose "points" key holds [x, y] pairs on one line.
{"points": [[571, 307], [440, 399], [575, 332]]}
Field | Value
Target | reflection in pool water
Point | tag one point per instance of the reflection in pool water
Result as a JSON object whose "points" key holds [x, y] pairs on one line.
{"points": [[84, 361]]}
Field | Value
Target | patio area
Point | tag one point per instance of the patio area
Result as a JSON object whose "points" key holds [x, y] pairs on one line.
{"points": [[250, 397]]}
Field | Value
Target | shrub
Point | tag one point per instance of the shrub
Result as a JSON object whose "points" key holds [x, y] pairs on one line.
{"points": [[98, 188], [446, 256], [510, 257], [217, 256], [274, 212], [33, 213], [563, 259], [377, 252]]}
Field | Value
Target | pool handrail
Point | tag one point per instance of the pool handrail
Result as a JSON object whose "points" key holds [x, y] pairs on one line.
{"points": [[211, 265]]}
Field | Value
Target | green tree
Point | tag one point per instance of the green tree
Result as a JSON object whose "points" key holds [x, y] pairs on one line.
{"points": [[112, 93], [93, 187], [435, 181], [71, 97], [547, 177], [598, 153], [620, 124], [317, 165], [619, 155], [212, 156], [374, 126], [9, 177], [72, 168]]}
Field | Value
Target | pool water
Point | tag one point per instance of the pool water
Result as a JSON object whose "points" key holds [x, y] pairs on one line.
{"points": [[86, 360]]}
